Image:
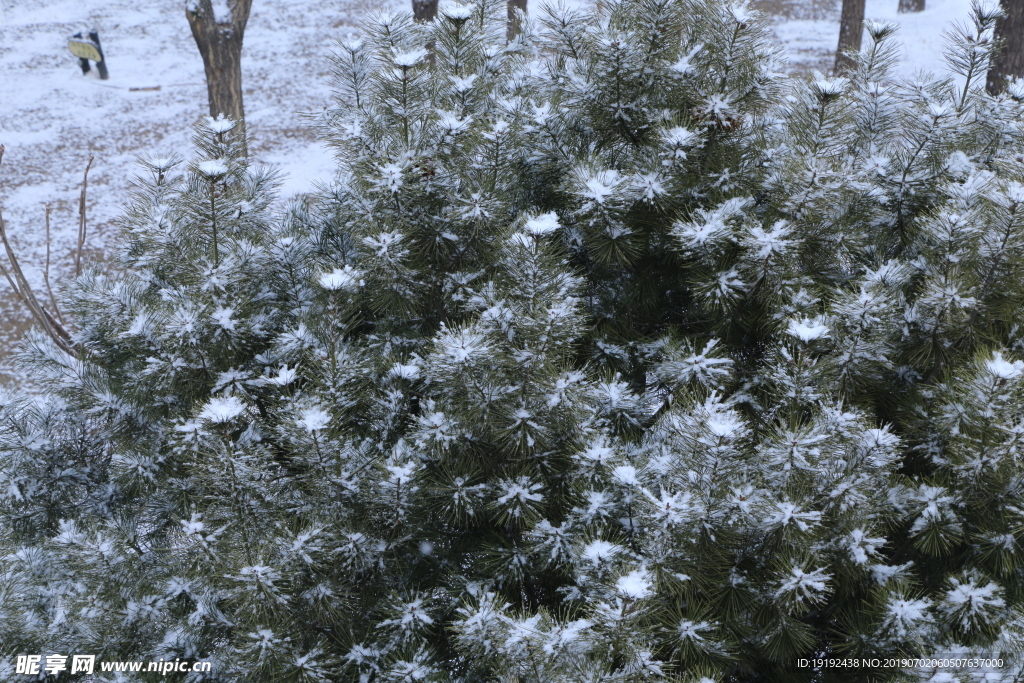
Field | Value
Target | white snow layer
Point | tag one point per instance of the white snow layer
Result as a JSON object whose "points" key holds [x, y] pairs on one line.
{"points": [[220, 410]]}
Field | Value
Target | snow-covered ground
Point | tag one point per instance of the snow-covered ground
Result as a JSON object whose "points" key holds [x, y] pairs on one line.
{"points": [[52, 118], [810, 31]]}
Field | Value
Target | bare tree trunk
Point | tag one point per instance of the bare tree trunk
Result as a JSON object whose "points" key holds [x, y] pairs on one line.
{"points": [[851, 29], [514, 6], [911, 6], [424, 10], [1009, 62], [219, 40]]}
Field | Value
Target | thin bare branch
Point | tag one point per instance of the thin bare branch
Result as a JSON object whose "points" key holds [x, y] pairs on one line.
{"points": [[23, 291], [3, 270], [27, 296], [46, 271], [81, 219], [7, 274]]}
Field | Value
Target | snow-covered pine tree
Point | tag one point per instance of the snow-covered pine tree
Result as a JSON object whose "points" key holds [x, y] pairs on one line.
{"points": [[610, 354]]}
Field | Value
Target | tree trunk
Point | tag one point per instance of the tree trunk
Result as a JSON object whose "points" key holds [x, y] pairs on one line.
{"points": [[911, 6], [1009, 61], [851, 29], [219, 40], [424, 10], [513, 17]]}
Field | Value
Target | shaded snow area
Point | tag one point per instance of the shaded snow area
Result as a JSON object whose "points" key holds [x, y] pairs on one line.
{"points": [[52, 118]]}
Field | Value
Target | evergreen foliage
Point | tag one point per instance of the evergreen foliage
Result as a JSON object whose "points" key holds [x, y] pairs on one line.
{"points": [[609, 355]]}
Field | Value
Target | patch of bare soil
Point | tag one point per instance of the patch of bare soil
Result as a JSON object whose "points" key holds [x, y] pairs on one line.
{"points": [[799, 9]]}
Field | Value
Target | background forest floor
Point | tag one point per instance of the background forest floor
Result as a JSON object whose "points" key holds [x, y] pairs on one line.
{"points": [[52, 118]]}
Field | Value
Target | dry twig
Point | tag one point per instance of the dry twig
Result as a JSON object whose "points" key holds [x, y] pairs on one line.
{"points": [[46, 271], [24, 292], [81, 219]]}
